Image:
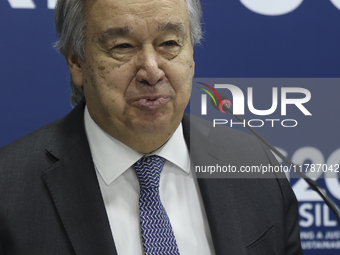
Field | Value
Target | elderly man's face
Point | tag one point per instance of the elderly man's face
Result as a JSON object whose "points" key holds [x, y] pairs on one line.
{"points": [[139, 66]]}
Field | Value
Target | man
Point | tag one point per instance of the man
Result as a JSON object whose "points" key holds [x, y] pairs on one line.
{"points": [[73, 186]]}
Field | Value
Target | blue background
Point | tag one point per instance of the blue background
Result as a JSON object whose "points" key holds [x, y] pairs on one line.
{"points": [[238, 43]]}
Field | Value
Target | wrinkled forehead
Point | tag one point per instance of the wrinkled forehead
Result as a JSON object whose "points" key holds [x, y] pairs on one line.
{"points": [[123, 12]]}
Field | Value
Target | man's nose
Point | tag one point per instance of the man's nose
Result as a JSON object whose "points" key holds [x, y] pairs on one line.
{"points": [[148, 64]]}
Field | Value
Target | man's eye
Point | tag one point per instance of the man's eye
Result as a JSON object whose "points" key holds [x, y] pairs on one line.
{"points": [[122, 46], [170, 43]]}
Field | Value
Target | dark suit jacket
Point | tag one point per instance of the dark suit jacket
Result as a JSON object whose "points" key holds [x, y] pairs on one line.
{"points": [[50, 200]]}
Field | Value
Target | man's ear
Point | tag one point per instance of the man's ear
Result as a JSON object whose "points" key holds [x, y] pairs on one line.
{"points": [[74, 65]]}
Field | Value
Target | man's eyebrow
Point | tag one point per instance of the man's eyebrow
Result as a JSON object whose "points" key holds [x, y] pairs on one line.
{"points": [[178, 27], [113, 32]]}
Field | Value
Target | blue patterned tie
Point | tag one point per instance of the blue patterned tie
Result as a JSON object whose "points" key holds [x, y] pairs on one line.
{"points": [[156, 229]]}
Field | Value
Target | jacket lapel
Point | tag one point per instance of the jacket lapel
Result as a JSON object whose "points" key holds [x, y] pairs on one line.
{"points": [[73, 185], [217, 194]]}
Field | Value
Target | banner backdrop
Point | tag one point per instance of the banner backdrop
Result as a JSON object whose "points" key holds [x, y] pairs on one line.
{"points": [[243, 39]]}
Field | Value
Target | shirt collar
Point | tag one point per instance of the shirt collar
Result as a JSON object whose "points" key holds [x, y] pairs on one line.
{"points": [[112, 158]]}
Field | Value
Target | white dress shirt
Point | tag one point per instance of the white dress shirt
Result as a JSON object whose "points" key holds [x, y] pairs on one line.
{"points": [[119, 185]]}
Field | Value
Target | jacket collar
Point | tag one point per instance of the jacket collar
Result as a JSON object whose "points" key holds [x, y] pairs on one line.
{"points": [[80, 204], [77, 197], [217, 194]]}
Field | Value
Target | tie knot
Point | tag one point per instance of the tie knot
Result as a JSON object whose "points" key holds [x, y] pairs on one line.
{"points": [[149, 170]]}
